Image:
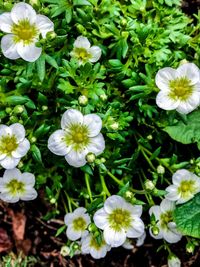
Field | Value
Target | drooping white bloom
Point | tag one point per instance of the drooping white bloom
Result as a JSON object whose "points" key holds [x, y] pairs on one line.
{"points": [[127, 244], [119, 219], [163, 216], [77, 223], [15, 185], [185, 185], [13, 145], [179, 88], [91, 246], [24, 27], [174, 261], [79, 136], [140, 240], [84, 52]]}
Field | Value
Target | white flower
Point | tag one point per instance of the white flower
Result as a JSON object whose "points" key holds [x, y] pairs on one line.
{"points": [[77, 223], [79, 136], [127, 244], [180, 88], [119, 219], [140, 240], [84, 52], [185, 186], [163, 216], [24, 27], [13, 145], [15, 185], [174, 261], [91, 246]]}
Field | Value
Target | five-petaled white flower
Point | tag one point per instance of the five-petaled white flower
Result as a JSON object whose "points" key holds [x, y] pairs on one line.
{"points": [[173, 261], [185, 186], [166, 226], [15, 185], [24, 27], [13, 145], [96, 249], [77, 223], [180, 88], [79, 136], [84, 52], [119, 219]]}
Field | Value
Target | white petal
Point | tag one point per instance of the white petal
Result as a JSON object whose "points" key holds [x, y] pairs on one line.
{"points": [[76, 158], [158, 236], [5, 130], [98, 254], [29, 52], [189, 105], [71, 116], [172, 195], [101, 218], [164, 76], [165, 102], [136, 210], [113, 238], [166, 205], [127, 244], [156, 211], [30, 194], [95, 51], [9, 162], [140, 240], [69, 217], [57, 144], [19, 131], [180, 175], [82, 42], [72, 234], [113, 202], [96, 145], [9, 198], [85, 244], [189, 70], [23, 11], [28, 178], [94, 124], [80, 211], [12, 174], [9, 47], [44, 24], [6, 22], [171, 237], [137, 229], [22, 149]]}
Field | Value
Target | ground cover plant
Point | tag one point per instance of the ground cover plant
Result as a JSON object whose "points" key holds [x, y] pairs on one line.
{"points": [[99, 133]]}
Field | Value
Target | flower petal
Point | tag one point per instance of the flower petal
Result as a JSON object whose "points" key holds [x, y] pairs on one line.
{"points": [[71, 116], [80, 211], [5, 130], [44, 24], [9, 47], [28, 178], [23, 11], [94, 124], [113, 238], [101, 218], [165, 102], [171, 237], [95, 52], [69, 217], [113, 202], [29, 52], [57, 145], [76, 158], [72, 234], [22, 149], [96, 145], [9, 198], [156, 211], [6, 22], [189, 70], [166, 205], [11, 174], [137, 229], [82, 42], [180, 175], [190, 104], [19, 131], [30, 194], [9, 162], [136, 210], [163, 77]]}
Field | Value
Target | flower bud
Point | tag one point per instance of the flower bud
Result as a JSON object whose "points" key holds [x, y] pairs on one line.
{"points": [[160, 169], [155, 230], [114, 126], [51, 35], [83, 100], [44, 108], [90, 157], [149, 137], [103, 97], [92, 228], [65, 250], [149, 185], [18, 109], [8, 110], [173, 261], [53, 200], [33, 139], [190, 247]]}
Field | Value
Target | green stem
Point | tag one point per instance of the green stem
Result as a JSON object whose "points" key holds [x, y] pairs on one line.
{"points": [[104, 186], [115, 178], [146, 157], [68, 201], [87, 177]]}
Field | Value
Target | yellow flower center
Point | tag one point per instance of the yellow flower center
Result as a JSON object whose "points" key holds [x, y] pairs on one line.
{"points": [[77, 136], [79, 224], [96, 245], [187, 188], [82, 54], [25, 32], [15, 187], [120, 219], [8, 144], [181, 88], [165, 218]]}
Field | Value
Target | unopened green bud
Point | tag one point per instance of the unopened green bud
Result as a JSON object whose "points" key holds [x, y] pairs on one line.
{"points": [[8, 110], [90, 157], [129, 195], [80, 28], [53, 200], [160, 169], [13, 119], [75, 246], [103, 97], [65, 251], [44, 108], [190, 247], [92, 228], [33, 139], [149, 185], [51, 35], [149, 137], [83, 100], [114, 126], [123, 22], [21, 164], [103, 160], [18, 109], [155, 230]]}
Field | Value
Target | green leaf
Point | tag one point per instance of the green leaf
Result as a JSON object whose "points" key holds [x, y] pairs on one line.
{"points": [[186, 133], [40, 64], [187, 217], [124, 189], [81, 3], [36, 153], [60, 230], [17, 100], [51, 61]]}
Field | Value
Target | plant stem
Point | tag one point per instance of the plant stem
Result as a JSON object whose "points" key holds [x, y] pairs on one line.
{"points": [[104, 186], [68, 201], [87, 177]]}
